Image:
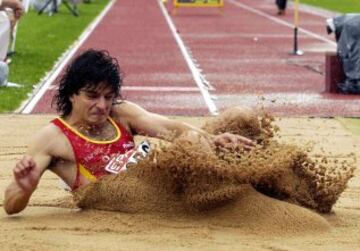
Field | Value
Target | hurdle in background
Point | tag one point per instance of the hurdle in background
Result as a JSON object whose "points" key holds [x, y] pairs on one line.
{"points": [[198, 3]]}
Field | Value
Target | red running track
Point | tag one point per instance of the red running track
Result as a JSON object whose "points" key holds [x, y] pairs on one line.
{"points": [[243, 53]]}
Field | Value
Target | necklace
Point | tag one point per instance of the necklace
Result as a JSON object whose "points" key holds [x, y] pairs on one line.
{"points": [[100, 133]]}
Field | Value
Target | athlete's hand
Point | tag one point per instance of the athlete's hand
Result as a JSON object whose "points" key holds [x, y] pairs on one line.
{"points": [[230, 141], [26, 174]]}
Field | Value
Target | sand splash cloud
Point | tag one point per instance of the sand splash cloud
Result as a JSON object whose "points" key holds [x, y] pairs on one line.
{"points": [[185, 177]]}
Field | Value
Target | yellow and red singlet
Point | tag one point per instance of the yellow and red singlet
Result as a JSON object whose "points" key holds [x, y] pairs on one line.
{"points": [[92, 155]]}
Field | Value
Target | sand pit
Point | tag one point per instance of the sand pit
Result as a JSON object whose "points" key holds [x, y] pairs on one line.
{"points": [[146, 217]]}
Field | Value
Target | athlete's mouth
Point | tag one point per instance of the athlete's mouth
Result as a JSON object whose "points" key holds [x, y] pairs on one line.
{"points": [[99, 113]]}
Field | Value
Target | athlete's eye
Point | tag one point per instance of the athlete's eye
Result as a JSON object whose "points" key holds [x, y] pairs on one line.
{"points": [[91, 95], [109, 97]]}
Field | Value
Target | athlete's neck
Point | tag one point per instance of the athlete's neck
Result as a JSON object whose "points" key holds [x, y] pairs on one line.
{"points": [[99, 131]]}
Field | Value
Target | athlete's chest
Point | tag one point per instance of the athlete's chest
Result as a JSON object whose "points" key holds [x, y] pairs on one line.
{"points": [[78, 149]]}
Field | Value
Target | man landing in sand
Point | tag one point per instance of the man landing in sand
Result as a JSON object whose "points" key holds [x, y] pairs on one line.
{"points": [[93, 129]]}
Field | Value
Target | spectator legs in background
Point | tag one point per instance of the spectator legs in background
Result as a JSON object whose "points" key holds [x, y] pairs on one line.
{"points": [[281, 4], [4, 72], [5, 29]]}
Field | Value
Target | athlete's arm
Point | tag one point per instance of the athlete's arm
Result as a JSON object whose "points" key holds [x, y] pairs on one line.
{"points": [[27, 173], [150, 124], [154, 125]]}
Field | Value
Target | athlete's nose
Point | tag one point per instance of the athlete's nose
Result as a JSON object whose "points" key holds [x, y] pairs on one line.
{"points": [[102, 104]]}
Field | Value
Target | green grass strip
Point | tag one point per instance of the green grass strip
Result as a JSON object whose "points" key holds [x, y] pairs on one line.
{"points": [[41, 40], [343, 6]]}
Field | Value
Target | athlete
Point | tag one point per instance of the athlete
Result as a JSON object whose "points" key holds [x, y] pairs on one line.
{"points": [[93, 130]]}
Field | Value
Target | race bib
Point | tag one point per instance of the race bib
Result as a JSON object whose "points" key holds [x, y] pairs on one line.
{"points": [[119, 163]]}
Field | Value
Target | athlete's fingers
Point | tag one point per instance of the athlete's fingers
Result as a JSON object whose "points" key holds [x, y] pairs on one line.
{"points": [[24, 166], [246, 141], [235, 140]]}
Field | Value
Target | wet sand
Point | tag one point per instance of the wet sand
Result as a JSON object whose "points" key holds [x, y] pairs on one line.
{"points": [[249, 221]]}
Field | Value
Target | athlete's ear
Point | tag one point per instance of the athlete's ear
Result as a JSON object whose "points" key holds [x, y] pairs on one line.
{"points": [[71, 98]]}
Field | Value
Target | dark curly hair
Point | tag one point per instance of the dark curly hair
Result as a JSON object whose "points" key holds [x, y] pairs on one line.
{"points": [[86, 71]]}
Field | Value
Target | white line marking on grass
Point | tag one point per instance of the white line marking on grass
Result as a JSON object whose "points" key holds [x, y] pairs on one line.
{"points": [[45, 83], [199, 79], [150, 88], [277, 20]]}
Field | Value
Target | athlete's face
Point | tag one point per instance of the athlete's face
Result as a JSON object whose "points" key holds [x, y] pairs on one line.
{"points": [[93, 106]]}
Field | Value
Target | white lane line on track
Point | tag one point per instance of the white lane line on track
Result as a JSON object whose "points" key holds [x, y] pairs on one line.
{"points": [[277, 20], [161, 88], [150, 88], [194, 70], [241, 35], [53, 74]]}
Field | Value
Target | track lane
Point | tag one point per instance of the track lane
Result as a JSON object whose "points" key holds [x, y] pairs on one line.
{"points": [[136, 33], [243, 53], [245, 56]]}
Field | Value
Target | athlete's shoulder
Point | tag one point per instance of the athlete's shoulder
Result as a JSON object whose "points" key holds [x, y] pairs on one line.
{"points": [[45, 138], [125, 109], [48, 130]]}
